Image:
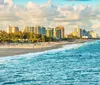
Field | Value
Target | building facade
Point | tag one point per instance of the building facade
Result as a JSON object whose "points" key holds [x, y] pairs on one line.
{"points": [[49, 32], [59, 32], [29, 29], [93, 34], [40, 30], [77, 32], [81, 33], [12, 29]]}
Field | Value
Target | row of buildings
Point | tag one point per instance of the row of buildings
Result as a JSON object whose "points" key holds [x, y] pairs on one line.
{"points": [[57, 32], [82, 33]]}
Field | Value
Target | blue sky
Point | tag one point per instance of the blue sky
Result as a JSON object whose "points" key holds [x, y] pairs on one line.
{"points": [[60, 2], [75, 13]]}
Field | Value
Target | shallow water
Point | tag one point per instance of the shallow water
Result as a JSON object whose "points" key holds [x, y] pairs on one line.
{"points": [[76, 64]]}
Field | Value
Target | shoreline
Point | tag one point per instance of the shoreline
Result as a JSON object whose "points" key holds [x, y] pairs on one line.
{"points": [[5, 52]]}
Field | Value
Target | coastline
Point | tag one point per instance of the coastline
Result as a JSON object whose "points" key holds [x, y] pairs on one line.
{"points": [[11, 51], [18, 51]]}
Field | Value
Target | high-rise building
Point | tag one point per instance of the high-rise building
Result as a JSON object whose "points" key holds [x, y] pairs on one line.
{"points": [[49, 32], [40, 30], [36, 28], [93, 34], [77, 32], [82, 33], [85, 34], [15, 29], [29, 29], [59, 32], [12, 29], [9, 29]]}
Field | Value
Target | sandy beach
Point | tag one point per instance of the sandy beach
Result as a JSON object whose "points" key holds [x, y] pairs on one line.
{"points": [[17, 49]]}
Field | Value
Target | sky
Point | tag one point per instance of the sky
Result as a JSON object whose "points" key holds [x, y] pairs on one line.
{"points": [[84, 14], [59, 1]]}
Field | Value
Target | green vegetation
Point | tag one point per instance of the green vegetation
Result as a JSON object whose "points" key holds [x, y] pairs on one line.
{"points": [[23, 37]]}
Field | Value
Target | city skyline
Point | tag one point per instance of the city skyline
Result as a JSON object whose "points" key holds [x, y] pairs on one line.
{"points": [[56, 32], [51, 13]]}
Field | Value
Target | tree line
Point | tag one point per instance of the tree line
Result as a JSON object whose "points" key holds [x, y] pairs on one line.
{"points": [[22, 37]]}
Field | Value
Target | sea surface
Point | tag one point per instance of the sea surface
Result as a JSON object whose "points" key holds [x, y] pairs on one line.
{"points": [[75, 64]]}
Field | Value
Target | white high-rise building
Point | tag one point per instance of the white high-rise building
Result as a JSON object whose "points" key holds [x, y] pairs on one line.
{"points": [[12, 29]]}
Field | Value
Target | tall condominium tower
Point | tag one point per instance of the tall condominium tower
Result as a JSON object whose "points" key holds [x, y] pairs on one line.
{"points": [[59, 32], [12, 29]]}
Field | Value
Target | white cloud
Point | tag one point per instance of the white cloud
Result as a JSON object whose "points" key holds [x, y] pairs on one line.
{"points": [[10, 2], [48, 14]]}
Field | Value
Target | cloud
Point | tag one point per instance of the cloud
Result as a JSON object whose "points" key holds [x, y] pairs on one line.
{"points": [[48, 14], [9, 2], [41, 11]]}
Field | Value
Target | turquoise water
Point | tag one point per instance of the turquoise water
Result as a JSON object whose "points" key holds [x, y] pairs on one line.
{"points": [[77, 64]]}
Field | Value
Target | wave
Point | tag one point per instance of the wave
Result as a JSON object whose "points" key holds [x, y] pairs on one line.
{"points": [[68, 64], [64, 47], [30, 55]]}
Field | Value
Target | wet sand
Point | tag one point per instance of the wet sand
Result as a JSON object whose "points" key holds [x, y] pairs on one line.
{"points": [[4, 52]]}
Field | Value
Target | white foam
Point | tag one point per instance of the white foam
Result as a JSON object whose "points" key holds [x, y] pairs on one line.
{"points": [[64, 47], [72, 46], [30, 55]]}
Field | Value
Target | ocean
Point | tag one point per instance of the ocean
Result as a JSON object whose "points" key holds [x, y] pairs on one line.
{"points": [[75, 64]]}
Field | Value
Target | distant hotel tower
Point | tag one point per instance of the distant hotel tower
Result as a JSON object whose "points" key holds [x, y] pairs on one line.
{"points": [[29, 29], [12, 29], [36, 29], [49, 32], [77, 32], [93, 34], [59, 32], [40, 30], [82, 33]]}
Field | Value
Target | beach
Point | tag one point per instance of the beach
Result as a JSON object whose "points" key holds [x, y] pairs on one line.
{"points": [[17, 49]]}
